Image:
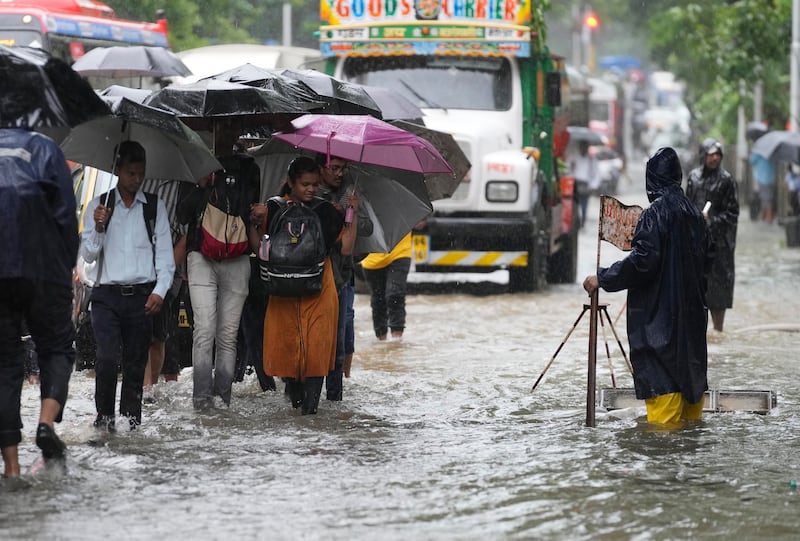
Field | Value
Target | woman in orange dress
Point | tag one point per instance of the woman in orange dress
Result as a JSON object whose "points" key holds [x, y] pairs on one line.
{"points": [[300, 332]]}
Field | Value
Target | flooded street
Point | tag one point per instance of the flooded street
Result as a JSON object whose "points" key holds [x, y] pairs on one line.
{"points": [[439, 436]]}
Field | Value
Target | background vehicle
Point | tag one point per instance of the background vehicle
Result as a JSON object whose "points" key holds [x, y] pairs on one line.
{"points": [[605, 114], [68, 29], [490, 81], [207, 61]]}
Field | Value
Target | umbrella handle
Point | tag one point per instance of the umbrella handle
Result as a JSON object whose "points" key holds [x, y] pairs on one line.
{"points": [[328, 148], [116, 155]]}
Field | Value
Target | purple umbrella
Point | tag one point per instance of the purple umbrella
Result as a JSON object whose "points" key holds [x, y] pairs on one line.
{"points": [[365, 139]]}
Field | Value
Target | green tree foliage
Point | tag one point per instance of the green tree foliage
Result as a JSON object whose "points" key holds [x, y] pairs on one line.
{"points": [[712, 45], [715, 44], [194, 23]]}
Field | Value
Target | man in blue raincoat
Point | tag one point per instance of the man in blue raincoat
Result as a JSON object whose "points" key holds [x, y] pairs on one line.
{"points": [[665, 277], [39, 238]]}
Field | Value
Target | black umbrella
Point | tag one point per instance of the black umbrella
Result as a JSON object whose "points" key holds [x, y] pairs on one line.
{"points": [[754, 130], [343, 98], [292, 89], [778, 145], [393, 105], [39, 92], [134, 61], [202, 103], [139, 95], [441, 185], [585, 135]]}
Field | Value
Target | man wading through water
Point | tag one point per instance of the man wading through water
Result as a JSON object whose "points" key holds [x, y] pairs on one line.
{"points": [[665, 277]]}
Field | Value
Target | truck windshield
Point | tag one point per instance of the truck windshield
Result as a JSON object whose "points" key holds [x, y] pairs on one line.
{"points": [[438, 82]]}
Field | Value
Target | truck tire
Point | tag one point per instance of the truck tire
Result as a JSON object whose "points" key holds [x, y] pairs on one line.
{"points": [[562, 265], [534, 276]]}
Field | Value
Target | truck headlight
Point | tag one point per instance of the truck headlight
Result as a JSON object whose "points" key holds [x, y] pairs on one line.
{"points": [[502, 191]]}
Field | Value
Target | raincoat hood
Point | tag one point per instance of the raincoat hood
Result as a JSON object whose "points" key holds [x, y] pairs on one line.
{"points": [[710, 146], [663, 170]]}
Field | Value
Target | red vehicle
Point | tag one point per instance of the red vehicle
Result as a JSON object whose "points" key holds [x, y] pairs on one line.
{"points": [[69, 28]]}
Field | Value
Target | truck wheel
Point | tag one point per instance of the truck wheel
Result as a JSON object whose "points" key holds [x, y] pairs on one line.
{"points": [[530, 278], [562, 266], [534, 276]]}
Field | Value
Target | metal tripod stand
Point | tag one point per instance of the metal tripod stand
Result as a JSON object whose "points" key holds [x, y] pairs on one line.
{"points": [[602, 310]]}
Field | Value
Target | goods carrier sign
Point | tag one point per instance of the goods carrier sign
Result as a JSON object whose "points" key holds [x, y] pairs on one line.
{"points": [[405, 27]]}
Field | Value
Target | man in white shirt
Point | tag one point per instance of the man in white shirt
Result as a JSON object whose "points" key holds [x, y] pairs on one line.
{"points": [[134, 274], [584, 170]]}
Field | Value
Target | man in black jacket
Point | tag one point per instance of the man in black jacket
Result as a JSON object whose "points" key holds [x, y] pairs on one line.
{"points": [[713, 190], [665, 277]]}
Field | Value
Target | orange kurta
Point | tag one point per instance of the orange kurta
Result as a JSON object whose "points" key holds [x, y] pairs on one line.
{"points": [[300, 332]]}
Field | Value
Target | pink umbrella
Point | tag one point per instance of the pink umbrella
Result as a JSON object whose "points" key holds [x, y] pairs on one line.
{"points": [[365, 139]]}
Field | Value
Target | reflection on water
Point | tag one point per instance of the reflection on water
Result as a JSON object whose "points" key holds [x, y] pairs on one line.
{"points": [[439, 437]]}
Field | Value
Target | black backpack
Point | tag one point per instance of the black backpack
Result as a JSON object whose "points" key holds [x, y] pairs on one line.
{"points": [[296, 250]]}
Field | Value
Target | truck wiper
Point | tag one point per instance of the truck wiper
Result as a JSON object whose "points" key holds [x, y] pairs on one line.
{"points": [[428, 103]]}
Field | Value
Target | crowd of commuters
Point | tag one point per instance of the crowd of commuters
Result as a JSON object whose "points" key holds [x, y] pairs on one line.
{"points": [[147, 252]]}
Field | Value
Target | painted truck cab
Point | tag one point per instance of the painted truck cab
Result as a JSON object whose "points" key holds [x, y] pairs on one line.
{"points": [[478, 71]]}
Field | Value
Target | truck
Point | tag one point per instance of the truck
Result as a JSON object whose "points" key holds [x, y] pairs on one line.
{"points": [[479, 70]]}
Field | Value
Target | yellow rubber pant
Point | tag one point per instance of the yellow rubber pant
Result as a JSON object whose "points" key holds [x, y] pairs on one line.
{"points": [[672, 409]]}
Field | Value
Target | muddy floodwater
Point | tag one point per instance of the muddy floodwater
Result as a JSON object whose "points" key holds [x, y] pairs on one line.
{"points": [[440, 438]]}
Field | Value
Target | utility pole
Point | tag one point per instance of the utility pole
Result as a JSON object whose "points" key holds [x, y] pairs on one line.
{"points": [[741, 141], [758, 101], [794, 90], [577, 25], [287, 24]]}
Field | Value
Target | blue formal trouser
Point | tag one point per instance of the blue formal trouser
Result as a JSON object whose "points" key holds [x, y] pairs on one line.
{"points": [[123, 333], [333, 383], [46, 309]]}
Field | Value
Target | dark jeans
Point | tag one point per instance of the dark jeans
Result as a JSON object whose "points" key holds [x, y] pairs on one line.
{"points": [[388, 295], [123, 333], [333, 383], [349, 330], [251, 341], [46, 308]]}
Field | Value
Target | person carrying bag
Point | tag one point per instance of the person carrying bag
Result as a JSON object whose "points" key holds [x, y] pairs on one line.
{"points": [[218, 270], [300, 330]]}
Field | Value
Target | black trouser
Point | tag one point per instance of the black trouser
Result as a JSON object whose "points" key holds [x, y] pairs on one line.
{"points": [[305, 393], [388, 295], [251, 341], [123, 333], [46, 308]]}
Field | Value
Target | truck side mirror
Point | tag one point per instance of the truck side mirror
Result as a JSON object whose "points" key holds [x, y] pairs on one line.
{"points": [[552, 88]]}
